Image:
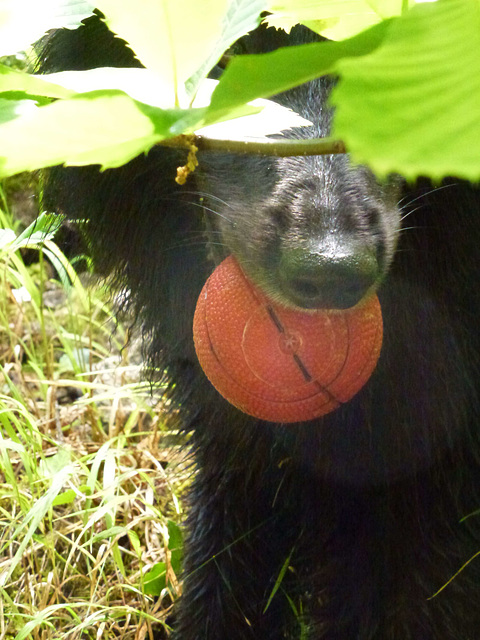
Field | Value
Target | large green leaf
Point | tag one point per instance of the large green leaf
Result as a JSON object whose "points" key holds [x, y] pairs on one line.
{"points": [[241, 17], [413, 105], [140, 84], [107, 127], [24, 21], [104, 127], [13, 109], [261, 76], [12, 80], [335, 20], [171, 38]]}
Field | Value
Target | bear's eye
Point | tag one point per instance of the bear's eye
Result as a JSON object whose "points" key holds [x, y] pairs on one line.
{"points": [[372, 216]]}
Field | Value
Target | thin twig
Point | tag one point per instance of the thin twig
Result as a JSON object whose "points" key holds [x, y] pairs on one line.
{"points": [[278, 148]]}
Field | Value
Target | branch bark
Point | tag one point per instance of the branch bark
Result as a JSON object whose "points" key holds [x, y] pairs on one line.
{"points": [[278, 148]]}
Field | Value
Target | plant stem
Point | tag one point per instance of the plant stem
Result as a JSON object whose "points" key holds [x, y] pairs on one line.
{"points": [[278, 148]]}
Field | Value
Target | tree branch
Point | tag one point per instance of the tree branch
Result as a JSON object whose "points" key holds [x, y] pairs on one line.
{"points": [[278, 148]]}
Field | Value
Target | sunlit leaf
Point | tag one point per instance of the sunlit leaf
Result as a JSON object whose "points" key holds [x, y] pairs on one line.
{"points": [[175, 536], [14, 81], [22, 22], [155, 580], [12, 109], [143, 85], [106, 128], [413, 105], [172, 38], [333, 19], [241, 17], [261, 76]]}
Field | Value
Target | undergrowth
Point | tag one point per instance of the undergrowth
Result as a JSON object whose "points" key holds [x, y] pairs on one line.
{"points": [[90, 470]]}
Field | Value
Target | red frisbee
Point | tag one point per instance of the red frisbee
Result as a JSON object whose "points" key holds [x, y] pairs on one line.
{"points": [[281, 364]]}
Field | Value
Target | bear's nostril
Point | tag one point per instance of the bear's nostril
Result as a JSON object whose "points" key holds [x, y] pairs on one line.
{"points": [[337, 280], [305, 288]]}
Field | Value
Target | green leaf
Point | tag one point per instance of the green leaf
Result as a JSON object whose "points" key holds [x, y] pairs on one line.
{"points": [[110, 533], [41, 229], [155, 580], [12, 109], [176, 559], [261, 76], [241, 17], [104, 127], [51, 466], [175, 536], [109, 128], [135, 542], [171, 38], [22, 22], [66, 497], [413, 105], [279, 580], [335, 20], [17, 81], [142, 85], [69, 496]]}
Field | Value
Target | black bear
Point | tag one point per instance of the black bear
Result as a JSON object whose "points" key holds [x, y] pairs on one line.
{"points": [[344, 527]]}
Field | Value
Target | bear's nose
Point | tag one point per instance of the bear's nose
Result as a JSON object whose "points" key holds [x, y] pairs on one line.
{"points": [[332, 279]]}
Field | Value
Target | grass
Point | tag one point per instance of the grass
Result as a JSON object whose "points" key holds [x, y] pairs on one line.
{"points": [[90, 469]]}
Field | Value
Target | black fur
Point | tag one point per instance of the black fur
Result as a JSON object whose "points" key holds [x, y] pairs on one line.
{"points": [[368, 506]]}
